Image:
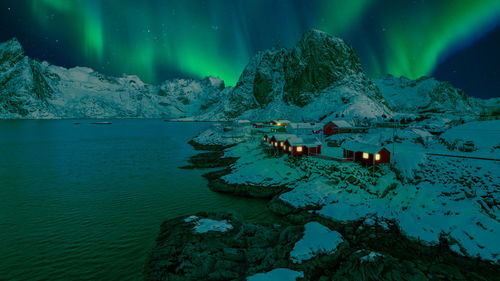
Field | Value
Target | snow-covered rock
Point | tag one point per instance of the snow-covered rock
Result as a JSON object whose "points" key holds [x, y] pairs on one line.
{"points": [[278, 274], [204, 225], [318, 239]]}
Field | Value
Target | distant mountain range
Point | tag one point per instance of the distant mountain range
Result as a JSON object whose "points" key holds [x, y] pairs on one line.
{"points": [[319, 78]]}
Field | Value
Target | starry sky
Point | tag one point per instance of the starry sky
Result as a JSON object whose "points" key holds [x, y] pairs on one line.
{"points": [[453, 40]]}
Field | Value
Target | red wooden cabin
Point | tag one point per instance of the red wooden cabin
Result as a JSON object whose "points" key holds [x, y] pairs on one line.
{"points": [[298, 146], [272, 141], [281, 139], [366, 153], [336, 127], [265, 138]]}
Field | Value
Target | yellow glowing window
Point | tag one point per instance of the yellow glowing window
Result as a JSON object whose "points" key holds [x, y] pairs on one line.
{"points": [[275, 144], [377, 157], [299, 149], [279, 124], [290, 148], [281, 144], [365, 155], [264, 138]]}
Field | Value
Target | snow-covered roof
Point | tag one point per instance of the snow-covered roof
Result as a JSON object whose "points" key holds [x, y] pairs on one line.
{"points": [[341, 123], [362, 147], [306, 125], [282, 121], [283, 137], [242, 121], [304, 141]]}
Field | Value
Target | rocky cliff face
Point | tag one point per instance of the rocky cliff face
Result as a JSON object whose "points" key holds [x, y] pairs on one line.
{"points": [[316, 67], [24, 89]]}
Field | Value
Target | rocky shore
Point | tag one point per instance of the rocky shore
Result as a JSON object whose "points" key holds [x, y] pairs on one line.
{"points": [[367, 252], [371, 249]]}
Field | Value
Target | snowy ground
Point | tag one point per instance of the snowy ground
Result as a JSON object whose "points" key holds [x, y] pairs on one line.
{"points": [[428, 197]]}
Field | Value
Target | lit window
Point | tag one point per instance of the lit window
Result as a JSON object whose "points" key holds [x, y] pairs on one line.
{"points": [[281, 144], [264, 138], [290, 148], [299, 149], [279, 124], [365, 155], [377, 157], [275, 144]]}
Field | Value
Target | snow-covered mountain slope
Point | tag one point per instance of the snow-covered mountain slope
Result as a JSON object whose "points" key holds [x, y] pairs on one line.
{"points": [[30, 89], [425, 95], [320, 76]]}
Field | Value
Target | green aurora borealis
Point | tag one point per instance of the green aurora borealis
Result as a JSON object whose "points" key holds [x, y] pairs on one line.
{"points": [[163, 39]]}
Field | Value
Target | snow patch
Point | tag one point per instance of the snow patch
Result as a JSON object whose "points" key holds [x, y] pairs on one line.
{"points": [[205, 225], [371, 257], [278, 274], [318, 239]]}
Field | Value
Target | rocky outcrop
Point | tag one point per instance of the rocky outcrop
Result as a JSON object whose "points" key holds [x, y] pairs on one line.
{"points": [[214, 159], [370, 251], [215, 183], [181, 253]]}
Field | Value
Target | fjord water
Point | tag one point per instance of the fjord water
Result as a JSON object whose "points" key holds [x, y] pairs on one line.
{"points": [[85, 202]]}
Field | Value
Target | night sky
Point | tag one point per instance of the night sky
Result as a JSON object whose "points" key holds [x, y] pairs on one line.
{"points": [[453, 40]]}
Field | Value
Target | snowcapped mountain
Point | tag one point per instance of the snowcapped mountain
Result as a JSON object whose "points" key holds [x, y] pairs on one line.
{"points": [[32, 89], [425, 95], [320, 78]]}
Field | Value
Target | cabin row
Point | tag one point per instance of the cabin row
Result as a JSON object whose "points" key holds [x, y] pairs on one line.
{"points": [[357, 152], [330, 128], [293, 145]]}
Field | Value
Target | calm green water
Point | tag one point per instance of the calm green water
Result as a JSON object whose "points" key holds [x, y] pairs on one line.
{"points": [[85, 202]]}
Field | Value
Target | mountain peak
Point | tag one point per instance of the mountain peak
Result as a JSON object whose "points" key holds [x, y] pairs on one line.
{"points": [[315, 35], [297, 75], [10, 49]]}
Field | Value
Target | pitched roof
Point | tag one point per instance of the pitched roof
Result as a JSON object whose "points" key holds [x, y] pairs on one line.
{"points": [[361, 147], [305, 141], [306, 126], [281, 121], [283, 137], [341, 123]]}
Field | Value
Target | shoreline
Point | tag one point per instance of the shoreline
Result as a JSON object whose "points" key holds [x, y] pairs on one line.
{"points": [[366, 234]]}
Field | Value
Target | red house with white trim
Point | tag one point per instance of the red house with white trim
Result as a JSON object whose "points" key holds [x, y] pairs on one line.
{"points": [[366, 153], [336, 127]]}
